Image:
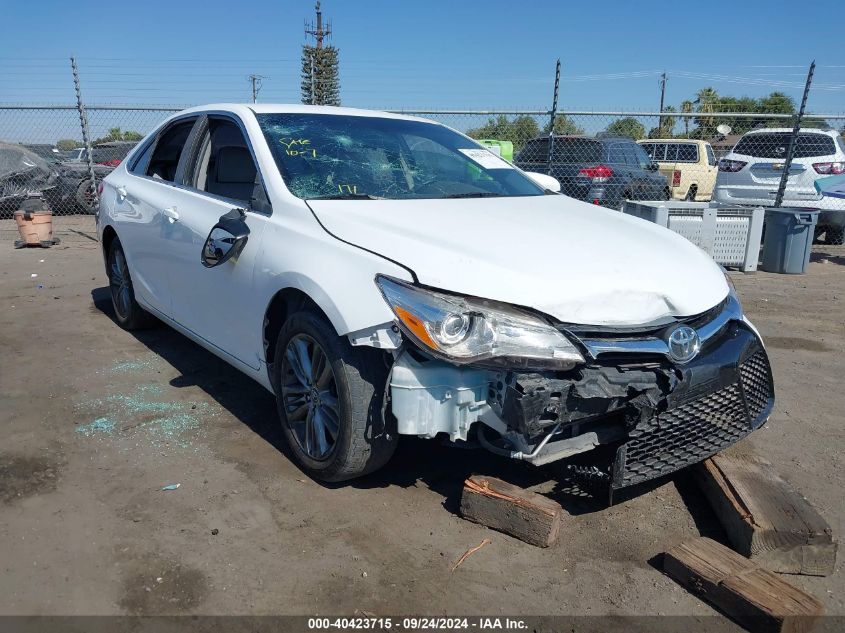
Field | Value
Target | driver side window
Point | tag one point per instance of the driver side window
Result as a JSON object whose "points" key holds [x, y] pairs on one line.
{"points": [[225, 166]]}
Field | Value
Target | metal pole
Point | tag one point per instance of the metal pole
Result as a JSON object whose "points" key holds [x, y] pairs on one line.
{"points": [[553, 116], [86, 135], [662, 95], [313, 81], [793, 140]]}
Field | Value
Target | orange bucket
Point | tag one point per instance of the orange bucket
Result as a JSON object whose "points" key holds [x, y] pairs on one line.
{"points": [[35, 224]]}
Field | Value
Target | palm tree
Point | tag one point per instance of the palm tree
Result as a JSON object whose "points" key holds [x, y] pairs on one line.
{"points": [[686, 108], [706, 102], [668, 123]]}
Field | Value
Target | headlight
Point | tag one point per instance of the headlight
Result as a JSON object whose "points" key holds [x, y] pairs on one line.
{"points": [[464, 330]]}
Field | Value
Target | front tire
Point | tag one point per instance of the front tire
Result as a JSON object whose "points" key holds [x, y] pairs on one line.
{"points": [[128, 314], [330, 395]]}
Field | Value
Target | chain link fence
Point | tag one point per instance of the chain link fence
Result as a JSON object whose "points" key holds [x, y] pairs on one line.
{"points": [[600, 157]]}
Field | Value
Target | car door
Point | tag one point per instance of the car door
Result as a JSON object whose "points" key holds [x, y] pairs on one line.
{"points": [[640, 180], [218, 303], [144, 203], [619, 186]]}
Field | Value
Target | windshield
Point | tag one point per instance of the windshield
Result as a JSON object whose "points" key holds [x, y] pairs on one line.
{"points": [[328, 156]]}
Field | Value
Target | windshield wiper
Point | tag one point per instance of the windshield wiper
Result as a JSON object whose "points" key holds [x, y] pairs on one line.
{"points": [[348, 196], [475, 194]]}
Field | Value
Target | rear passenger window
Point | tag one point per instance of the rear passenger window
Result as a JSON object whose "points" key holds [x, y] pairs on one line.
{"points": [[655, 151], [165, 157], [631, 157], [711, 157], [536, 150], [688, 153], [141, 163], [225, 166], [615, 155]]}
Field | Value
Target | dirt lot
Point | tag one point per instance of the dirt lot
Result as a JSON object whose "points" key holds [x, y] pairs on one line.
{"points": [[95, 421]]}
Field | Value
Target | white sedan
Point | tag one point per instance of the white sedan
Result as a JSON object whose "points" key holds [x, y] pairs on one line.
{"points": [[385, 275]]}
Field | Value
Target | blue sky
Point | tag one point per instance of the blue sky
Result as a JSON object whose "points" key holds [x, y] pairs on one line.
{"points": [[431, 54]]}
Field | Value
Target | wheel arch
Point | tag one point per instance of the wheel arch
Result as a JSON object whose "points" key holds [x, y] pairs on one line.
{"points": [[289, 300], [108, 237]]}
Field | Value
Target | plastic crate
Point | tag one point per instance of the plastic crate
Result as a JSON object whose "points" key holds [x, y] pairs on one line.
{"points": [[730, 235]]}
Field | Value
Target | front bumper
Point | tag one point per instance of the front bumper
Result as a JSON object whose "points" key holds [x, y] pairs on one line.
{"points": [[723, 396], [657, 416]]}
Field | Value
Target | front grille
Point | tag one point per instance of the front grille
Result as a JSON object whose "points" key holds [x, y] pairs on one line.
{"points": [[698, 429], [757, 383]]}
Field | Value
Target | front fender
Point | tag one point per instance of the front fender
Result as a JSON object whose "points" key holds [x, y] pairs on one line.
{"points": [[338, 277]]}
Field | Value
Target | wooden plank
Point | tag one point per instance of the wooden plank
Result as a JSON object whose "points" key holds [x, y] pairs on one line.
{"points": [[497, 504], [765, 518], [756, 598]]}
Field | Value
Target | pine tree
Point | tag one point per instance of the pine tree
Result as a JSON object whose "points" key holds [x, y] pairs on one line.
{"points": [[320, 75]]}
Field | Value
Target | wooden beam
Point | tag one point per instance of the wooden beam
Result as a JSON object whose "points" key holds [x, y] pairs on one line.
{"points": [[497, 504], [756, 598], [765, 518]]}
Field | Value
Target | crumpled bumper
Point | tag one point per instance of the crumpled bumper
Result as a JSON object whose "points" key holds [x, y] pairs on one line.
{"points": [[722, 396]]}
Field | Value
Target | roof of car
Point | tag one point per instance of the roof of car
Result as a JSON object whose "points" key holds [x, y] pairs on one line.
{"points": [[298, 108], [788, 130], [670, 140]]}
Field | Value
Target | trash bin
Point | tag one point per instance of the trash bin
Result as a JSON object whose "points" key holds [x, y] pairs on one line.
{"points": [[788, 240], [35, 223]]}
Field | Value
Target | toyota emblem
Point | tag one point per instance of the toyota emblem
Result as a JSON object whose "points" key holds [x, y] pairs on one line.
{"points": [[684, 344]]}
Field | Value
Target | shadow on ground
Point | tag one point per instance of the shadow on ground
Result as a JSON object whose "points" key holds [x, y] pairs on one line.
{"points": [[440, 465]]}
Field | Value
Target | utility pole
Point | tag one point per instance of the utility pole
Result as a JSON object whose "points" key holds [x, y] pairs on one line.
{"points": [[662, 96], [318, 31], [86, 134], [256, 85]]}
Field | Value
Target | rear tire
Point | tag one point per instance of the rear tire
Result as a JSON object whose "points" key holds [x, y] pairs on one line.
{"points": [[128, 314], [690, 197], [85, 197], [835, 235], [330, 397]]}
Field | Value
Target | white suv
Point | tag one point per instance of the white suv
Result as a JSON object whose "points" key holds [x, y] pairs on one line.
{"points": [[751, 172], [384, 275]]}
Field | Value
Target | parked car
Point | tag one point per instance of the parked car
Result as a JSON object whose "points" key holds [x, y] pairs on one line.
{"points": [[384, 275], [605, 170], [75, 187], [751, 173], [689, 166], [22, 174]]}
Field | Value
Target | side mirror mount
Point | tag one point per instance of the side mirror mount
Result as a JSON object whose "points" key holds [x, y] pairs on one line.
{"points": [[549, 183], [226, 239], [652, 166]]}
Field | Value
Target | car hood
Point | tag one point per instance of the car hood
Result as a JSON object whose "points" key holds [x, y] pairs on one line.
{"points": [[576, 262]]}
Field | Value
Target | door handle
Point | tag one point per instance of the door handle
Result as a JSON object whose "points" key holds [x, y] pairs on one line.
{"points": [[122, 193], [171, 214]]}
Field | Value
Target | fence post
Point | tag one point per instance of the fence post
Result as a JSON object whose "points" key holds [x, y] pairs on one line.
{"points": [[86, 135], [790, 153], [553, 114]]}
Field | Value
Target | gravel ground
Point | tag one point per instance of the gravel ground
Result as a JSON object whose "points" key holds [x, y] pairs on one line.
{"points": [[96, 421]]}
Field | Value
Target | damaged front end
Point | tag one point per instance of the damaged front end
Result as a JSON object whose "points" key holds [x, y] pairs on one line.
{"points": [[656, 414]]}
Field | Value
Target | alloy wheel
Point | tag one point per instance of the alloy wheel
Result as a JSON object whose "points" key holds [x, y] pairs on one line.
{"points": [[309, 396], [120, 285]]}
